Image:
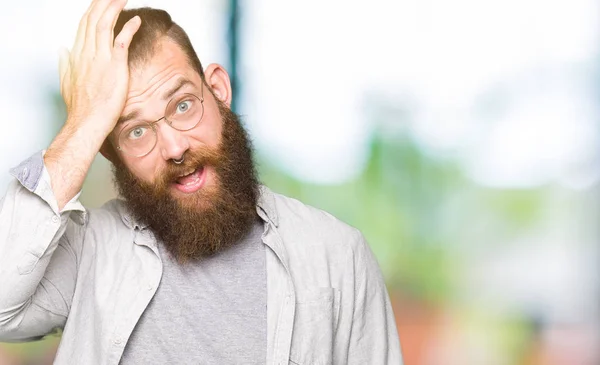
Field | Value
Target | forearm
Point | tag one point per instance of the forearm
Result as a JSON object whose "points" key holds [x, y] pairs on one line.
{"points": [[69, 157]]}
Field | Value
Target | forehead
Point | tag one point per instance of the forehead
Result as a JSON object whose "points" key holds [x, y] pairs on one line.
{"points": [[167, 59]]}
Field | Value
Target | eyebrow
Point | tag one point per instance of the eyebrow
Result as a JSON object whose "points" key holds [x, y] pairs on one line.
{"points": [[166, 96], [124, 118], [180, 84]]}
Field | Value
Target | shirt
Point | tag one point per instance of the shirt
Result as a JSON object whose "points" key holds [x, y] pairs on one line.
{"points": [[93, 272], [210, 311]]}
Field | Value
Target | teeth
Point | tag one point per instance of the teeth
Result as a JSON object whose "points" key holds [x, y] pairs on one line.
{"points": [[192, 182], [186, 173]]}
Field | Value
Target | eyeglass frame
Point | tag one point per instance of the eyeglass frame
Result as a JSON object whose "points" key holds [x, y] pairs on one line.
{"points": [[153, 124]]}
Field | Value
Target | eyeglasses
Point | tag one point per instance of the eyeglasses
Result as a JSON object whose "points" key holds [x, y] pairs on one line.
{"points": [[183, 113]]}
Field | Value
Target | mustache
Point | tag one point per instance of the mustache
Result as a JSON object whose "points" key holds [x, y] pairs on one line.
{"points": [[193, 159]]}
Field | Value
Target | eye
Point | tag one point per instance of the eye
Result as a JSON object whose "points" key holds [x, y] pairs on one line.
{"points": [[137, 132], [184, 106]]}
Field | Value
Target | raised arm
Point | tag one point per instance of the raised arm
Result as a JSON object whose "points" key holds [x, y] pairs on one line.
{"points": [[39, 243], [94, 79]]}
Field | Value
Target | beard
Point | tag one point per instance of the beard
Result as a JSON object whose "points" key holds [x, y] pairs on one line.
{"points": [[211, 219]]}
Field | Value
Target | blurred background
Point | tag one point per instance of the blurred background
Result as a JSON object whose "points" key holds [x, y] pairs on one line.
{"points": [[461, 137]]}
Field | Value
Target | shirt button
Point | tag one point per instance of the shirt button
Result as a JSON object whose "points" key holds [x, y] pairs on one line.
{"points": [[150, 287], [118, 341], [55, 219]]}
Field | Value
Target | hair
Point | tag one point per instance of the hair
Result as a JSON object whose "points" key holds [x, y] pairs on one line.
{"points": [[156, 24]]}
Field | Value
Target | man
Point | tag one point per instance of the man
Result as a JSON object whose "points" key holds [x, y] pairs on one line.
{"points": [[197, 263]]}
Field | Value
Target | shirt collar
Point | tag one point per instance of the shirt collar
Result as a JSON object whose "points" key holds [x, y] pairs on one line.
{"points": [[127, 217], [266, 203]]}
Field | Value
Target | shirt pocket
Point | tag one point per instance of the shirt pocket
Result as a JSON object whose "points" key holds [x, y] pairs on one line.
{"points": [[315, 322]]}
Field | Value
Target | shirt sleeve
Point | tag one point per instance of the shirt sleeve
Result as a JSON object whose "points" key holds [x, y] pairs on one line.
{"points": [[33, 176], [39, 247], [29, 172], [373, 334]]}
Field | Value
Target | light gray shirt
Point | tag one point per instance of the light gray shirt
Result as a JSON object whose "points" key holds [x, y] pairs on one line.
{"points": [[94, 272], [212, 311]]}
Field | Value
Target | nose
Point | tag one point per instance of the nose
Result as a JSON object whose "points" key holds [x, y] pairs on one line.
{"points": [[172, 143]]}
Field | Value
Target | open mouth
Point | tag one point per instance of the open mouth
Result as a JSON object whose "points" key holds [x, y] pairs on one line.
{"points": [[191, 180]]}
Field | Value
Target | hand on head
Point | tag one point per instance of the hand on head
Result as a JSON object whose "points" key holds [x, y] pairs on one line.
{"points": [[94, 76], [94, 82]]}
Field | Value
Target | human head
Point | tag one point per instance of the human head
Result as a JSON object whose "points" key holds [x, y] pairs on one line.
{"points": [[221, 206]]}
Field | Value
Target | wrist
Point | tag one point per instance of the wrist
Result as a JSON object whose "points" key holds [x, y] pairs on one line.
{"points": [[90, 127], [79, 140]]}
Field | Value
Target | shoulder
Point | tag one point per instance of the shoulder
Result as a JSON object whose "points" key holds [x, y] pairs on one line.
{"points": [[303, 226], [320, 249]]}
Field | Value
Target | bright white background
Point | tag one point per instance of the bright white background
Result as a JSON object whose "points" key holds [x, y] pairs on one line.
{"points": [[508, 88]]}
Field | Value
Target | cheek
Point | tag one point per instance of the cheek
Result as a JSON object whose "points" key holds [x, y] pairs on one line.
{"points": [[214, 138], [215, 126], [208, 133]]}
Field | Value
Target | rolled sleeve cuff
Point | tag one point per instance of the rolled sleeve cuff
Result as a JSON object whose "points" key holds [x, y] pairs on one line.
{"points": [[34, 176], [29, 172]]}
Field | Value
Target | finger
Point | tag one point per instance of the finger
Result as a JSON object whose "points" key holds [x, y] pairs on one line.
{"points": [[90, 32], [80, 37], [123, 40], [106, 25]]}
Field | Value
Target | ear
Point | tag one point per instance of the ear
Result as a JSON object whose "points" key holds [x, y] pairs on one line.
{"points": [[108, 151], [218, 81]]}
